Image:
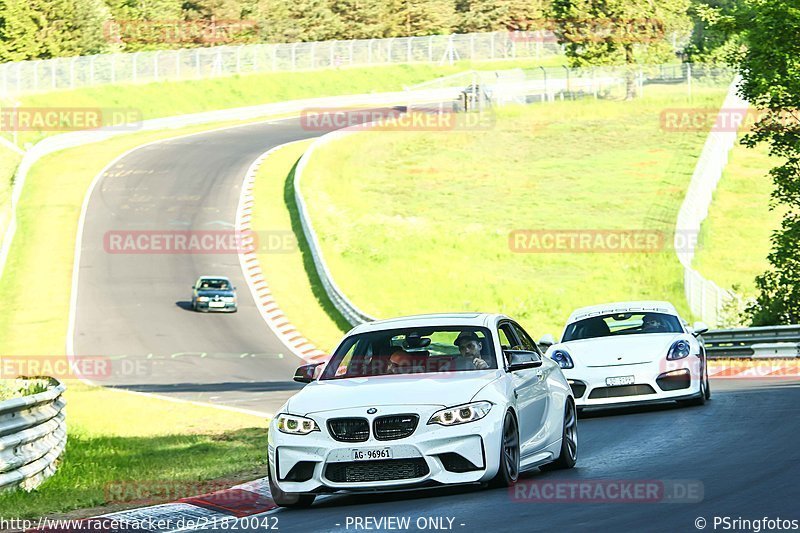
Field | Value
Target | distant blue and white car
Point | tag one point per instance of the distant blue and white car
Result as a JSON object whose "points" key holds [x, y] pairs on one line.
{"points": [[214, 293], [632, 352], [420, 401]]}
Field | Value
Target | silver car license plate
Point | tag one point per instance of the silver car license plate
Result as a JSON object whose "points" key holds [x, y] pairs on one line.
{"points": [[372, 454], [621, 380], [216, 304]]}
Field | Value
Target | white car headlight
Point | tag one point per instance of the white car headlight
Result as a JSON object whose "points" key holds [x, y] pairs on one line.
{"points": [[678, 350], [461, 414], [562, 358], [228, 299], [202, 298], [296, 425]]}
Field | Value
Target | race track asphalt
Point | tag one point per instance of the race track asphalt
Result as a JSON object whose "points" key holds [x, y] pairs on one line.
{"points": [[738, 453], [134, 307]]}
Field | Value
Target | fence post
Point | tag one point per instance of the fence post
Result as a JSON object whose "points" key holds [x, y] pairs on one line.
{"points": [[239, 59], [35, 75], [155, 64], [472, 47], [389, 51], [430, 49], [178, 63], [369, 52], [332, 59], [294, 56], [313, 54], [352, 52], [689, 79], [408, 49], [72, 72], [492, 44]]}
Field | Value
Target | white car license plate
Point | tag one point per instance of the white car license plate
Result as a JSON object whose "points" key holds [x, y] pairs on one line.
{"points": [[216, 304], [372, 454], [622, 380]]}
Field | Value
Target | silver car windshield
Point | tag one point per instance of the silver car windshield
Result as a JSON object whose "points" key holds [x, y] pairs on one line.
{"points": [[413, 351]]}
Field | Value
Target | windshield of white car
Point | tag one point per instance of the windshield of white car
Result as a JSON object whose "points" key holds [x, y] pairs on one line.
{"points": [[618, 324], [413, 351], [213, 284]]}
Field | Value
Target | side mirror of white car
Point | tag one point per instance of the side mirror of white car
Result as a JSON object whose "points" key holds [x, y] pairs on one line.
{"points": [[547, 340], [522, 359], [699, 328]]}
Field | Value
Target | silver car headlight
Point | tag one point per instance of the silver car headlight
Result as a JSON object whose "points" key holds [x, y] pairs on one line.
{"points": [[296, 425], [202, 298], [461, 414]]}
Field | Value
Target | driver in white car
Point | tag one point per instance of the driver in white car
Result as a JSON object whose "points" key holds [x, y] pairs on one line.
{"points": [[469, 346], [653, 324]]}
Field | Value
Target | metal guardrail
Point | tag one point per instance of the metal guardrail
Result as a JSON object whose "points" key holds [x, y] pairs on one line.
{"points": [[765, 341], [348, 309], [33, 434]]}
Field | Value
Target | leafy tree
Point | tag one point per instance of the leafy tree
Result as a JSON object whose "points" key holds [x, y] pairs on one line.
{"points": [[423, 17], [714, 35], [20, 24], [481, 15], [300, 20], [770, 67], [618, 31], [362, 19]]}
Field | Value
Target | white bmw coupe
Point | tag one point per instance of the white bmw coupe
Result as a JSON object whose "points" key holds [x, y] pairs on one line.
{"points": [[419, 401], [632, 352]]}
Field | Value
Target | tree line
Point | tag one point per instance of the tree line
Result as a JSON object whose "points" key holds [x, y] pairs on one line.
{"points": [[43, 29]]}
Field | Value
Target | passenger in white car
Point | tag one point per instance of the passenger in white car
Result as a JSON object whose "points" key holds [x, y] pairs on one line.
{"points": [[469, 348]]}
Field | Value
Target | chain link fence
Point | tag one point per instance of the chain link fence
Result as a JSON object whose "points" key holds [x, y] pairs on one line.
{"points": [[706, 299], [170, 65]]}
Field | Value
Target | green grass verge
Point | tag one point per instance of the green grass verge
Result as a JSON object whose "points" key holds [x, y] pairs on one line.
{"points": [[415, 222], [735, 238], [292, 278], [138, 448], [9, 160]]}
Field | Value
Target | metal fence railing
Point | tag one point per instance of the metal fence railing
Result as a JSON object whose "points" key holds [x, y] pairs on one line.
{"points": [[33, 434], [706, 299], [164, 65]]}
